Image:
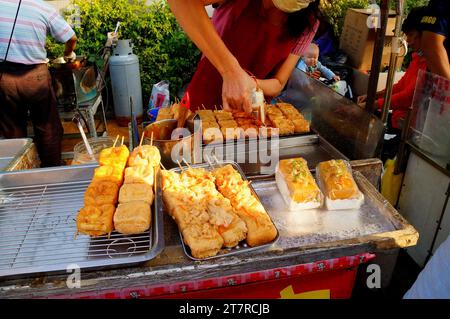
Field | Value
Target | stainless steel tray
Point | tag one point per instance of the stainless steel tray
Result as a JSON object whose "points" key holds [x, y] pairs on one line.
{"points": [[38, 209], [248, 154], [242, 247], [11, 150], [320, 226]]}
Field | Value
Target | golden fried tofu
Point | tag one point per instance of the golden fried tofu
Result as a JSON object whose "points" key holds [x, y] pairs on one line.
{"points": [[145, 155], [208, 124], [136, 192], [164, 113], [231, 133], [212, 134], [101, 193], [96, 220], [117, 156], [133, 217], [142, 174], [109, 173], [203, 239], [228, 123], [285, 126], [300, 125]]}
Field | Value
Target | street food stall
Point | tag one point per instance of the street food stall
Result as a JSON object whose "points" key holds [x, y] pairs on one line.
{"points": [[312, 253]]}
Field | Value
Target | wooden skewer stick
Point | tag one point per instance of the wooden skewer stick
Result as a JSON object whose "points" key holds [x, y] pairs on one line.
{"points": [[187, 164], [123, 137], [179, 165], [209, 161], [203, 106], [151, 139], [117, 137], [215, 158], [142, 138], [162, 166], [215, 106]]}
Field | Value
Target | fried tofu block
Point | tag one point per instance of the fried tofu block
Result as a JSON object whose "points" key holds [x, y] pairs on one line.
{"points": [[209, 124], [300, 126], [101, 193], [145, 155], [96, 220], [142, 174], [228, 123], [223, 116], [212, 134], [164, 113], [260, 228], [230, 226], [285, 126], [133, 217], [117, 156], [108, 173], [203, 239], [231, 133], [136, 192]]}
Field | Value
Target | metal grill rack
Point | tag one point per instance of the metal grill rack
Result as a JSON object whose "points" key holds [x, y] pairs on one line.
{"points": [[38, 228]]}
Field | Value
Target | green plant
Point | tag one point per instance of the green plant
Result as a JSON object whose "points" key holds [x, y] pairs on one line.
{"points": [[164, 51]]}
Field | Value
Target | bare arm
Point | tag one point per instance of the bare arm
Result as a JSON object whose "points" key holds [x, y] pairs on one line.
{"points": [[237, 84], [70, 45], [274, 86], [435, 53]]}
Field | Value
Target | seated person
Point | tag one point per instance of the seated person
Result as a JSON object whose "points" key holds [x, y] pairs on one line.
{"points": [[403, 91], [309, 63]]}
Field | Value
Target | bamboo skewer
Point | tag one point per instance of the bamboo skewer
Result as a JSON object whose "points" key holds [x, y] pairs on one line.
{"points": [[151, 140], [123, 137], [187, 164], [162, 166], [179, 165], [117, 137], [142, 138]]}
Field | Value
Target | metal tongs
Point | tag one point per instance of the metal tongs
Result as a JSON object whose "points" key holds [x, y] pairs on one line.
{"points": [[76, 120]]}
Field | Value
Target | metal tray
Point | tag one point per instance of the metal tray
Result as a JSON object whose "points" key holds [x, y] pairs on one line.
{"points": [[248, 155], [11, 150], [38, 209], [242, 247], [321, 226]]}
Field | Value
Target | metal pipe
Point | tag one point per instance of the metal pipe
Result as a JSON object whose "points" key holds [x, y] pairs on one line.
{"points": [[397, 42], [377, 57]]}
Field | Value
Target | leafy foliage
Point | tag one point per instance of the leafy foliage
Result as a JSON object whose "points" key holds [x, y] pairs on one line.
{"points": [[164, 51]]}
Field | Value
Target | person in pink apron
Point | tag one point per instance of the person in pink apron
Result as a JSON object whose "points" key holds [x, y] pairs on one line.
{"points": [[247, 44]]}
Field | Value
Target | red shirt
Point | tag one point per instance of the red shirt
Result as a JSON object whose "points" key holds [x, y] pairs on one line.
{"points": [[259, 46], [403, 91]]}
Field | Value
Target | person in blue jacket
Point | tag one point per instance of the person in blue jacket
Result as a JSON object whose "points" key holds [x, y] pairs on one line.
{"points": [[310, 64]]}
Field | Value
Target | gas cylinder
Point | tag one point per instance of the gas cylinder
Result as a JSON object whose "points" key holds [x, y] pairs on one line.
{"points": [[125, 83]]}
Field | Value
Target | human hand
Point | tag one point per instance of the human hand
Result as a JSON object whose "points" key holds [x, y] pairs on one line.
{"points": [[362, 105], [361, 99], [315, 74], [237, 91], [70, 57], [336, 78]]}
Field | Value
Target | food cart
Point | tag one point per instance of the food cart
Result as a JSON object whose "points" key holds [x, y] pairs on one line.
{"points": [[316, 254]]}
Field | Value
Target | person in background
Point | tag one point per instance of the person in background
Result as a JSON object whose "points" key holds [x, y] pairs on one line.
{"points": [[435, 26], [310, 64], [25, 82], [433, 281], [247, 44], [403, 91]]}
